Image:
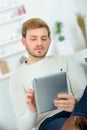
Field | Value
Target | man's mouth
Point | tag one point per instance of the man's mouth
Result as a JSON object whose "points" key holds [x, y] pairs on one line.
{"points": [[39, 49]]}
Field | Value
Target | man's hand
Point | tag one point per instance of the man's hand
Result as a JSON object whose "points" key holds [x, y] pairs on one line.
{"points": [[65, 102], [30, 100]]}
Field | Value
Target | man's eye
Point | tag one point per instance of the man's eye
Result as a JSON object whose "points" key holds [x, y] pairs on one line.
{"points": [[44, 39], [32, 39]]}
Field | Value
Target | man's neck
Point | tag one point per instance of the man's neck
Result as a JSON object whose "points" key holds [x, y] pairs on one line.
{"points": [[32, 60]]}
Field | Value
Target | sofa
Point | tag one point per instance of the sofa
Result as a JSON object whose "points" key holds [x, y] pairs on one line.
{"points": [[77, 62], [7, 116], [78, 67]]}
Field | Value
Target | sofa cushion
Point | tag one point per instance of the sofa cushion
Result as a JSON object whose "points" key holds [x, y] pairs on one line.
{"points": [[7, 117], [78, 68]]}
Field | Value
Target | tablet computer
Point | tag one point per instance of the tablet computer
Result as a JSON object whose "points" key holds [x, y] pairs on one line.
{"points": [[46, 89]]}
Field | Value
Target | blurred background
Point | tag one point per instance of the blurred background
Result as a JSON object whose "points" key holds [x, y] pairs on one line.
{"points": [[67, 20]]}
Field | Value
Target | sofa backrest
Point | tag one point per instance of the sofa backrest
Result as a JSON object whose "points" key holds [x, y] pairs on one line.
{"points": [[7, 117], [79, 67]]}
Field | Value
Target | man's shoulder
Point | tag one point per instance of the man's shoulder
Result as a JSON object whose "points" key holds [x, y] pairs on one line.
{"points": [[18, 71], [56, 57]]}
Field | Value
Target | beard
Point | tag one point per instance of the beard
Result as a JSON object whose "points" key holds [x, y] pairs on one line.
{"points": [[39, 54]]}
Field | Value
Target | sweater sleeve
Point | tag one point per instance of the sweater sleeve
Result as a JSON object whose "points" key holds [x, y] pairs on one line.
{"points": [[24, 118], [26, 121]]}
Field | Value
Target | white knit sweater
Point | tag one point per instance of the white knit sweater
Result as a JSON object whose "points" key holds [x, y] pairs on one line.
{"points": [[21, 81]]}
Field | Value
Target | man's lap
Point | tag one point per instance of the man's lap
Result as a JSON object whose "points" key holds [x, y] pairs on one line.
{"points": [[55, 122]]}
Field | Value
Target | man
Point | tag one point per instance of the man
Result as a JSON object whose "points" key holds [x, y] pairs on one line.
{"points": [[36, 39]]}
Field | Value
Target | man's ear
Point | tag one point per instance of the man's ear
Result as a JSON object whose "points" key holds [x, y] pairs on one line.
{"points": [[23, 41]]}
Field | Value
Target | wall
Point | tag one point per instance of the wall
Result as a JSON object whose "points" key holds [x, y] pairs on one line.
{"points": [[62, 10]]}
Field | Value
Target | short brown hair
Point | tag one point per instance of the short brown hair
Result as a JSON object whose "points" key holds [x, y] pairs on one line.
{"points": [[34, 23]]}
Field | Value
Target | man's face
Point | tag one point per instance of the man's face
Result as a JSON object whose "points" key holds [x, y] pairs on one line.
{"points": [[37, 42]]}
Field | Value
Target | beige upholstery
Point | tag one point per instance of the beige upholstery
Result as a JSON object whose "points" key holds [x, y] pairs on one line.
{"points": [[79, 65], [78, 69], [7, 117]]}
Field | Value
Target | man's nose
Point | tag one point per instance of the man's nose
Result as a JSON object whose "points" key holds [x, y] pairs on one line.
{"points": [[39, 42]]}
